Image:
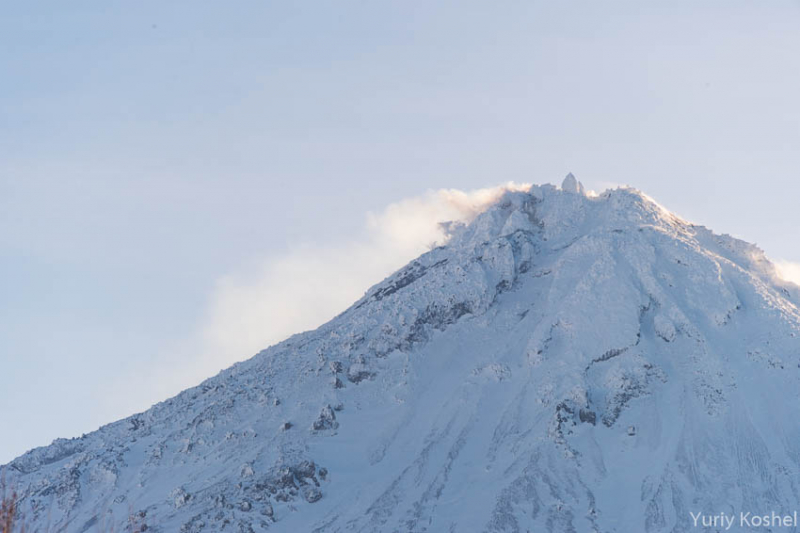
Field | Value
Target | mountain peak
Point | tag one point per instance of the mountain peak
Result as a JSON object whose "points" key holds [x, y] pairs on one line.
{"points": [[595, 361], [565, 213]]}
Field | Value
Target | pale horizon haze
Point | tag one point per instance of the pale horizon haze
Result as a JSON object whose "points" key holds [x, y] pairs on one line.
{"points": [[183, 184]]}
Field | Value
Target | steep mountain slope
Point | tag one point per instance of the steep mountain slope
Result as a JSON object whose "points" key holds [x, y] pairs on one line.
{"points": [[565, 363]]}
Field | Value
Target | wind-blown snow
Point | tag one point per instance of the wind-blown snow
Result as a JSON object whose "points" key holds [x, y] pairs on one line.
{"points": [[789, 271], [309, 284], [563, 363]]}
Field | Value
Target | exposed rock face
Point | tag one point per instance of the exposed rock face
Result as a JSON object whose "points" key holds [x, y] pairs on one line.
{"points": [[326, 419], [358, 372], [566, 362]]}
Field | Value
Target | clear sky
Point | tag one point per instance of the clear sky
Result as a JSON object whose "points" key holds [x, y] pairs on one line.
{"points": [[182, 182]]}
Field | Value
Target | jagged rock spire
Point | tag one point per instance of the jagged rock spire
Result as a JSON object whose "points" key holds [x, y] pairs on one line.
{"points": [[570, 184]]}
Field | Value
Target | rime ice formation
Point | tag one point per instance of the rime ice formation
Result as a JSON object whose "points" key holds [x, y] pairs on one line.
{"points": [[565, 363]]}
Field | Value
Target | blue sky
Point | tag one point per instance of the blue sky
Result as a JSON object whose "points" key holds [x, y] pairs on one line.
{"points": [[165, 164]]}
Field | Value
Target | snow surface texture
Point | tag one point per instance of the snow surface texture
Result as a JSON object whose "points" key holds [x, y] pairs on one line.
{"points": [[565, 363]]}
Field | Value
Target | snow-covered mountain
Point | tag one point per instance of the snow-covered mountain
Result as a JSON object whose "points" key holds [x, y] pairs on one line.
{"points": [[567, 362]]}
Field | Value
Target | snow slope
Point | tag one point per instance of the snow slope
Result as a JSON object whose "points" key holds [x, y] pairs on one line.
{"points": [[565, 363]]}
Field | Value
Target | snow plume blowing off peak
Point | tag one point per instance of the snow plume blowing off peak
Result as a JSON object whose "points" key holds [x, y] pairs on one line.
{"points": [[789, 271], [313, 281]]}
